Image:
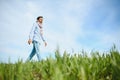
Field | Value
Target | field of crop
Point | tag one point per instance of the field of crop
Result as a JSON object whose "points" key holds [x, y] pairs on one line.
{"points": [[66, 67]]}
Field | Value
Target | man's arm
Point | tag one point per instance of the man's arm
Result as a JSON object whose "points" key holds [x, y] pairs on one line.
{"points": [[43, 40], [31, 34]]}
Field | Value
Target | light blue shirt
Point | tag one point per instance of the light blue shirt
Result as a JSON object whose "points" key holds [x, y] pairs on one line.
{"points": [[36, 34]]}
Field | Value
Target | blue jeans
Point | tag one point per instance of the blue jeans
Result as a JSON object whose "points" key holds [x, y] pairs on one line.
{"points": [[35, 50]]}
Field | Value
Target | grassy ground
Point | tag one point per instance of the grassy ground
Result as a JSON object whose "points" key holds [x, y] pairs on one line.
{"points": [[66, 67]]}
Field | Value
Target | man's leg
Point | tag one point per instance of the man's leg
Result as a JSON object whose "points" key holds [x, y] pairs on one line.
{"points": [[37, 48], [32, 53]]}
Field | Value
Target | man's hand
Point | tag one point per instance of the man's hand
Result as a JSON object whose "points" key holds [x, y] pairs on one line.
{"points": [[29, 41], [45, 44]]}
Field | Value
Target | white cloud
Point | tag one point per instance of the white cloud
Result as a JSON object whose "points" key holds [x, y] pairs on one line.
{"points": [[71, 24]]}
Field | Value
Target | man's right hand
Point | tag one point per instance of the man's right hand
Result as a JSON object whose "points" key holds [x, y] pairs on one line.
{"points": [[29, 41]]}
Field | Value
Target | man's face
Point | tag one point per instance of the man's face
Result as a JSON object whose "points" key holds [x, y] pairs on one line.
{"points": [[40, 20]]}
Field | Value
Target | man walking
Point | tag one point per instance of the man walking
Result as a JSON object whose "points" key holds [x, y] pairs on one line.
{"points": [[35, 37]]}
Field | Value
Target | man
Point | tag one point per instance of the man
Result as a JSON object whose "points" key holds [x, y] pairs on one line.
{"points": [[35, 37]]}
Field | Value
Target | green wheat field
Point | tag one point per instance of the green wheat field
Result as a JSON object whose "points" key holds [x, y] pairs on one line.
{"points": [[67, 67]]}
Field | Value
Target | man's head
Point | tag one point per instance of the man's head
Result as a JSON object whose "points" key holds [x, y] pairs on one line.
{"points": [[40, 19]]}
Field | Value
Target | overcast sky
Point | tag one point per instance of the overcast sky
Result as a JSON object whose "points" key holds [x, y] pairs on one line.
{"points": [[72, 24]]}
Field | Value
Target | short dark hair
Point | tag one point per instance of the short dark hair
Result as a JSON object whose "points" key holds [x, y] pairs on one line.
{"points": [[39, 17]]}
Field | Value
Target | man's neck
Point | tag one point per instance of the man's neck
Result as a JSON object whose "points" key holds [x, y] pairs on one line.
{"points": [[40, 22]]}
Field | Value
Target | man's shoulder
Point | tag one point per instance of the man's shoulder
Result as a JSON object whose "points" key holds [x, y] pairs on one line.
{"points": [[35, 23]]}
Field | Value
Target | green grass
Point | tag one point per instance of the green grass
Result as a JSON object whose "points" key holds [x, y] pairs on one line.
{"points": [[66, 67]]}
